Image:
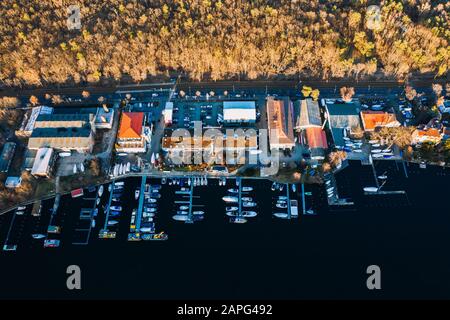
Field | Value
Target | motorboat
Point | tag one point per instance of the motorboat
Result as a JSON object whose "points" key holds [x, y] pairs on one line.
{"points": [[116, 208], [180, 217], [150, 205], [93, 223], [109, 187], [150, 209], [184, 207], [189, 182], [231, 208], [198, 213], [19, 213], [230, 199], [293, 187], [114, 213], [370, 189], [382, 177], [274, 186], [281, 187], [148, 214], [282, 197], [238, 220], [281, 205], [38, 236], [116, 199], [233, 190], [182, 212], [163, 181], [281, 215], [247, 189], [112, 222], [155, 195], [249, 214], [150, 200], [98, 201], [248, 204], [376, 151], [147, 229], [136, 194], [156, 186], [248, 199], [377, 156]]}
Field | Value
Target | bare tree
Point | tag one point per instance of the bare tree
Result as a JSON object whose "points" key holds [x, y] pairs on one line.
{"points": [[347, 93]]}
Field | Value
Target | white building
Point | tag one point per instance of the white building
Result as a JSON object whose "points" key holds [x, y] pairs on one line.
{"points": [[239, 111], [43, 162], [168, 113]]}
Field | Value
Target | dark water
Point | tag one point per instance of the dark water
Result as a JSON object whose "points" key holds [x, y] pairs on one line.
{"points": [[322, 256]]}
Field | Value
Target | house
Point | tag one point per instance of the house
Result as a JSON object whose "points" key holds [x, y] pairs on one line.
{"points": [[238, 112], [168, 113], [342, 116], [307, 114], [104, 118], [43, 162], [426, 135], [79, 139], [280, 123], [131, 136], [71, 120], [30, 119], [316, 140], [6, 156], [372, 120]]}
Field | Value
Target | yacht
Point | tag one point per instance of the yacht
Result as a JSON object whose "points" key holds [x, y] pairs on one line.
{"points": [[247, 189], [38, 236], [119, 183], [231, 208], [281, 215], [238, 220], [100, 191], [163, 181], [136, 194], [281, 205], [248, 199], [249, 214], [274, 186], [112, 222], [233, 190], [198, 213], [150, 200], [230, 199], [294, 188], [116, 208], [180, 217], [184, 207], [249, 204], [371, 189]]}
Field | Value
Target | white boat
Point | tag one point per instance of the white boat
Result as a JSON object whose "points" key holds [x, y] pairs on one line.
{"points": [[377, 156], [184, 207], [189, 182], [93, 224], [21, 208], [248, 199], [230, 199], [206, 181], [238, 220], [98, 201], [116, 208], [281, 215], [382, 177], [148, 214], [376, 145], [231, 213], [109, 187], [387, 153], [150, 200], [122, 154], [373, 141], [274, 186], [247, 189], [180, 217], [198, 213], [376, 151], [136, 194], [249, 214], [100, 191], [153, 159], [357, 150], [370, 189], [119, 183], [74, 169], [64, 154], [330, 189], [293, 187], [116, 171], [112, 222], [81, 167], [38, 236], [281, 205], [163, 181], [249, 204], [282, 197], [233, 190], [231, 208], [19, 213], [146, 229], [128, 167]]}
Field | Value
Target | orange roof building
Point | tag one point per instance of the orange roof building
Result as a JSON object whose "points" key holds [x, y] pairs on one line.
{"points": [[280, 121], [426, 135], [376, 119], [130, 138]]}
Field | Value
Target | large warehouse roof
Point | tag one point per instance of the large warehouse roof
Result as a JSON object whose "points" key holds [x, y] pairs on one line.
{"points": [[239, 111]]}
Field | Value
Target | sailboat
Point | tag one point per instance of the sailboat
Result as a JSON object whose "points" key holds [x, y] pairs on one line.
{"points": [[238, 220], [81, 167], [230, 199], [294, 188], [100, 190], [74, 169], [128, 167], [247, 189]]}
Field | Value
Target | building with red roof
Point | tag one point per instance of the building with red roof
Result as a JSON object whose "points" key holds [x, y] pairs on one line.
{"points": [[130, 138]]}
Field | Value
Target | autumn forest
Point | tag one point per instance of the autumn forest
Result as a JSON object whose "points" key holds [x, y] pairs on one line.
{"points": [[218, 39]]}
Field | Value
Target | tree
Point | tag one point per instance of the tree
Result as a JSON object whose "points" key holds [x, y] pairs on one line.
{"points": [[347, 93], [410, 93], [306, 91], [34, 100], [315, 94], [182, 93], [85, 94]]}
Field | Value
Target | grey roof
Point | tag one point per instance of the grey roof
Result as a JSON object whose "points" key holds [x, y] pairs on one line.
{"points": [[6, 156], [84, 131], [65, 117], [307, 114]]}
